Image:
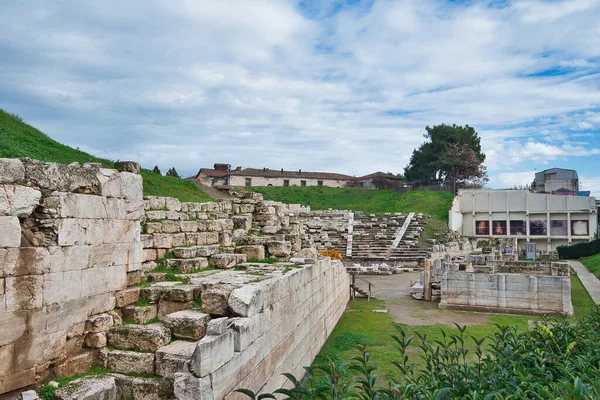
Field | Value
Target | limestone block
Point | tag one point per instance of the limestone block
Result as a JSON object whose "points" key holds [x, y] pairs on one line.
{"points": [[172, 204], [155, 203], [23, 292], [146, 338], [206, 251], [10, 232], [7, 354], [166, 307], [121, 231], [9, 259], [99, 323], [153, 227], [176, 216], [76, 364], [179, 293], [11, 170], [140, 314], [252, 252], [147, 241], [207, 238], [217, 326], [187, 264], [61, 178], [163, 241], [131, 185], [152, 388], [127, 166], [70, 258], [88, 388], [29, 395], [127, 296], [95, 340], [187, 324], [226, 224], [226, 261], [307, 253], [242, 222], [101, 280], [188, 387], [154, 292], [19, 380], [18, 201], [188, 226], [238, 235], [246, 301], [215, 298], [225, 239], [211, 353], [149, 255], [279, 248], [110, 182], [246, 331], [174, 358], [73, 231], [178, 239], [124, 362], [170, 226], [74, 205]]}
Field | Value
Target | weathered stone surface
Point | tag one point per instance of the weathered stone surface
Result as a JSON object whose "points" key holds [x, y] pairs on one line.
{"points": [[217, 326], [279, 248], [172, 204], [12, 170], [95, 340], [181, 293], [242, 222], [140, 314], [23, 292], [29, 395], [89, 388], [226, 261], [211, 353], [10, 232], [188, 387], [124, 362], [307, 253], [18, 201], [215, 298], [131, 185], [174, 358], [152, 389], [61, 178], [110, 182], [127, 296], [252, 252], [166, 307], [153, 293], [187, 324], [75, 364], [99, 323], [187, 264], [7, 354], [127, 166], [146, 338], [206, 251], [246, 301]]}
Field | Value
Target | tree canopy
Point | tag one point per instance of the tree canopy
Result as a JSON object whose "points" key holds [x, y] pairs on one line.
{"points": [[452, 154], [172, 172]]}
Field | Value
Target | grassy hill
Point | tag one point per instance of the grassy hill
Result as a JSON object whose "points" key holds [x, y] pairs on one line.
{"points": [[436, 204], [593, 264], [18, 139]]}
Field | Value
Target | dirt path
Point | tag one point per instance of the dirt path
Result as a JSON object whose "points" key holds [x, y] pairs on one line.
{"points": [[395, 291]]}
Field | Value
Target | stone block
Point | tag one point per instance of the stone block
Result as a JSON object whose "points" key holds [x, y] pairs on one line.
{"points": [[147, 241], [19, 201], [95, 340], [89, 388], [242, 222], [252, 252], [11, 170], [127, 166], [174, 358], [211, 353], [215, 298], [10, 232], [121, 231], [23, 292], [166, 307], [140, 314], [70, 258], [74, 231], [9, 259], [146, 338], [178, 239], [7, 355], [76, 364], [246, 331], [187, 387], [163, 241], [154, 292], [225, 239], [187, 265], [189, 226], [101, 280], [124, 362], [279, 248], [187, 324], [155, 203], [246, 301], [217, 326], [152, 388], [99, 323], [110, 182], [29, 395], [18, 380], [226, 261], [149, 255], [180, 293], [172, 204], [206, 251], [127, 296], [131, 185], [170, 227]]}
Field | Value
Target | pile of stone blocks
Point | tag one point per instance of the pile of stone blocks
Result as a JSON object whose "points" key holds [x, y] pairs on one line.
{"points": [[69, 239]]}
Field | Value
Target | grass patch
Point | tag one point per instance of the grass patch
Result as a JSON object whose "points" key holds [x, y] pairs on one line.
{"points": [[197, 303], [436, 204], [22, 140], [46, 392], [138, 375], [265, 261], [142, 302], [592, 264]]}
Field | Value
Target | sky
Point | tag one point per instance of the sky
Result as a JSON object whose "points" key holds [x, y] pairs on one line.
{"points": [[321, 85]]}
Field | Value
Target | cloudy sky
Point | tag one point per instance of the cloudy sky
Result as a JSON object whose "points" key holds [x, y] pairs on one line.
{"points": [[342, 86]]}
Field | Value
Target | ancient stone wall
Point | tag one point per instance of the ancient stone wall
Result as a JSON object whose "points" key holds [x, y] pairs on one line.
{"points": [[69, 237], [506, 293]]}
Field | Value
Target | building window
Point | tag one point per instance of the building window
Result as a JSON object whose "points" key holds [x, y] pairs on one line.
{"points": [[286, 182], [319, 183], [248, 181], [302, 183]]}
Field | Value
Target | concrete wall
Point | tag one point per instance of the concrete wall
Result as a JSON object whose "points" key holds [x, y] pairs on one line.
{"points": [[238, 180], [506, 293], [471, 207], [69, 237]]}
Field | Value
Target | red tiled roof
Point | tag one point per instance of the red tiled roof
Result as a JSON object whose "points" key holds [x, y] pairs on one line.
{"points": [[380, 174]]}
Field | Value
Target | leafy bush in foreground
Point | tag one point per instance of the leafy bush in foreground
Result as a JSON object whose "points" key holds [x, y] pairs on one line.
{"points": [[553, 361]]}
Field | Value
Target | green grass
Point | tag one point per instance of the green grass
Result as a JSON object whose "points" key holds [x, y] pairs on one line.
{"points": [[360, 324], [18, 139], [46, 392], [593, 264], [436, 204]]}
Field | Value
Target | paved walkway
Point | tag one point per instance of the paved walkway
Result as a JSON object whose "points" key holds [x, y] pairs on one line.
{"points": [[589, 280]]}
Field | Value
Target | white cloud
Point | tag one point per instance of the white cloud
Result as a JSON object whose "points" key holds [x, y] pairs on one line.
{"points": [[592, 184], [509, 180]]}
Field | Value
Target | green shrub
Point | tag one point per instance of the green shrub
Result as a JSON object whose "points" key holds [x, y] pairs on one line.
{"points": [[579, 250]]}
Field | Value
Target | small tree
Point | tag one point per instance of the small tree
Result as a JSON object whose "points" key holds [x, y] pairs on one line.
{"points": [[173, 172], [156, 170]]}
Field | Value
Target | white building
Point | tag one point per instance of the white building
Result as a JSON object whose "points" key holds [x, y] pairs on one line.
{"points": [[548, 220], [556, 179]]}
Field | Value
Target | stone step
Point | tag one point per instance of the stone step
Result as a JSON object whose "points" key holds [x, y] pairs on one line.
{"points": [[139, 314], [187, 264], [195, 251], [174, 358], [187, 324], [226, 261], [144, 338], [124, 362], [154, 292]]}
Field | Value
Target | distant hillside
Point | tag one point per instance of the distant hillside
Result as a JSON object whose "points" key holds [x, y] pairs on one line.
{"points": [[436, 204], [18, 139]]}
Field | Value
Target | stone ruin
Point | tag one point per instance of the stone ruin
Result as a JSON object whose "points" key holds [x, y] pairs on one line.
{"points": [[175, 299], [496, 282]]}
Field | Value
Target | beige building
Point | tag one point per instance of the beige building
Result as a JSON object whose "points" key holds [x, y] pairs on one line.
{"points": [[548, 220]]}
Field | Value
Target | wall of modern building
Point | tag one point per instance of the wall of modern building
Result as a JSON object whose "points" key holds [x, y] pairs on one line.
{"points": [[548, 220], [239, 180]]}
